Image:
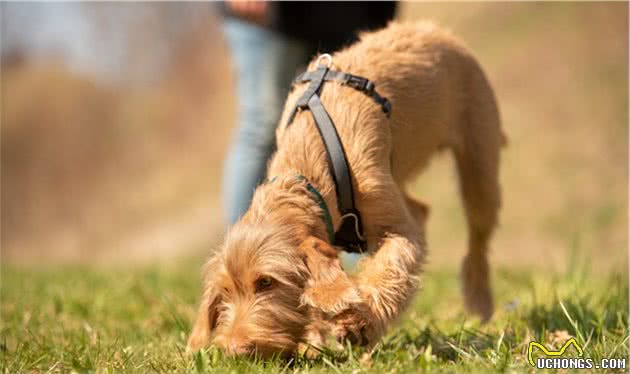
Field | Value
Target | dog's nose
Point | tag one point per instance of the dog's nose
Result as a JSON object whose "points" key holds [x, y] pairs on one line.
{"points": [[240, 349]]}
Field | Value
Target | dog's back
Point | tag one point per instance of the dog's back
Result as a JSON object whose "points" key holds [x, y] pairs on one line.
{"points": [[437, 88]]}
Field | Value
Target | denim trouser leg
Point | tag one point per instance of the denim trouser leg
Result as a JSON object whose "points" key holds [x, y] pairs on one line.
{"points": [[265, 64]]}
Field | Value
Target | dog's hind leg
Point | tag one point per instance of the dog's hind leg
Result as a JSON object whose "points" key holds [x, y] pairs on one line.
{"points": [[477, 159]]}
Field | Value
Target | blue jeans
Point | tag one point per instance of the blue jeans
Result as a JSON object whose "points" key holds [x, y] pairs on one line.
{"points": [[265, 62]]}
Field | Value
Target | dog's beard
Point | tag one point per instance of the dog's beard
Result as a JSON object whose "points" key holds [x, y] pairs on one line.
{"points": [[267, 324]]}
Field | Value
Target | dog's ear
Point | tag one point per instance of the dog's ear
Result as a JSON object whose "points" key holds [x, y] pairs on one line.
{"points": [[329, 288], [206, 321], [321, 259], [207, 314]]}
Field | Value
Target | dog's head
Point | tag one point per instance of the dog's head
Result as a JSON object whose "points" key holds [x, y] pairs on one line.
{"points": [[262, 289]]}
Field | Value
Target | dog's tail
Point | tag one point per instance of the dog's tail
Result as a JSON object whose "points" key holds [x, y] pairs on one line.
{"points": [[477, 158]]}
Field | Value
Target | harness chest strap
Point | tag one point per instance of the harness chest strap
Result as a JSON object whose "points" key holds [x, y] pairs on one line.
{"points": [[350, 233]]}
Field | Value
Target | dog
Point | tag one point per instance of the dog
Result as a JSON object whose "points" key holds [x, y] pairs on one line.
{"points": [[276, 285]]}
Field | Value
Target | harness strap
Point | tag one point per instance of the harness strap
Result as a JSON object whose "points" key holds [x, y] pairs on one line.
{"points": [[326, 217], [358, 83], [350, 232]]}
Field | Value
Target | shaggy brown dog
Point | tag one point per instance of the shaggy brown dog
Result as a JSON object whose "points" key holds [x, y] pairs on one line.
{"points": [[277, 282]]}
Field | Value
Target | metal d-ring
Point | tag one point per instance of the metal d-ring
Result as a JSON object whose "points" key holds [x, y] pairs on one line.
{"points": [[356, 224], [325, 56]]}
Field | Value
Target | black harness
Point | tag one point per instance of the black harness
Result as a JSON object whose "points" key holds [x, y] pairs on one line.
{"points": [[350, 233]]}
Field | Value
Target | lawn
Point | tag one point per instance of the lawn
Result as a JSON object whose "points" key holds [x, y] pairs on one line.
{"points": [[137, 319]]}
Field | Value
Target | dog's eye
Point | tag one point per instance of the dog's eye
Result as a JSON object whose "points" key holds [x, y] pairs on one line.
{"points": [[263, 283]]}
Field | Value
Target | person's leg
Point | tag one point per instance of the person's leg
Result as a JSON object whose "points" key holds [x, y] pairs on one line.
{"points": [[265, 64]]}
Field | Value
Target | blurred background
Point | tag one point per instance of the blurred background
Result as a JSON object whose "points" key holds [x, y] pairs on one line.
{"points": [[116, 118]]}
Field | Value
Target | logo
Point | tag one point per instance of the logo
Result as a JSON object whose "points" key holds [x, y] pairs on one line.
{"points": [[555, 359], [548, 353]]}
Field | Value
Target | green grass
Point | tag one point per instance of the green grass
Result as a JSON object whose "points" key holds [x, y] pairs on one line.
{"points": [[137, 319]]}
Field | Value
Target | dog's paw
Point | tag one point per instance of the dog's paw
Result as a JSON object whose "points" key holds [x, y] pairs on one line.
{"points": [[476, 288], [331, 298], [353, 325]]}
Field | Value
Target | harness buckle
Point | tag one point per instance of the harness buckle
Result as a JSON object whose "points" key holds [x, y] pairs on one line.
{"points": [[356, 82], [369, 88], [350, 232]]}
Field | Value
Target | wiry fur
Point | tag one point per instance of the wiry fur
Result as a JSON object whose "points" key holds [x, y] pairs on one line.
{"points": [[441, 99]]}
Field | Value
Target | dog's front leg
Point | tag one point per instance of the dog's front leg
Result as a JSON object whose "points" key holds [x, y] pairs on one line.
{"points": [[386, 283]]}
